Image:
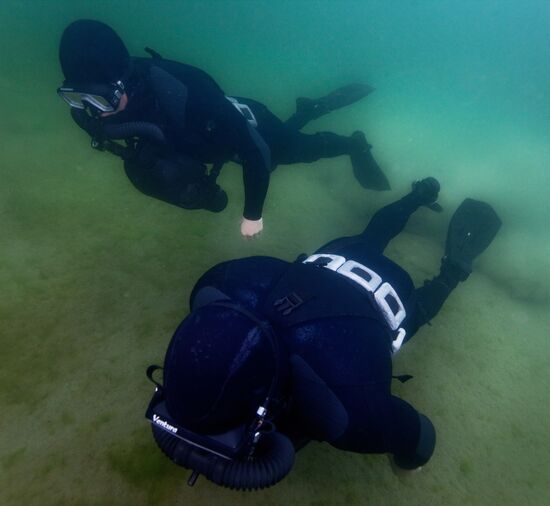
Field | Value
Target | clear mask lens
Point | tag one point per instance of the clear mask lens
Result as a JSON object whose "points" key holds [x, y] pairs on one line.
{"points": [[79, 99]]}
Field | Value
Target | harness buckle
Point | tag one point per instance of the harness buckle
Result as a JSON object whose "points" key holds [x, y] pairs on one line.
{"points": [[244, 110], [285, 305]]}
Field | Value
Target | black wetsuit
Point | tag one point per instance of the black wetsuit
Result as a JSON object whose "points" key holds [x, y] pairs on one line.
{"points": [[202, 126], [342, 359]]}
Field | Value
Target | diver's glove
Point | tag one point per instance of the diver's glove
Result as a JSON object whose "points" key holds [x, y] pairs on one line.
{"points": [[251, 228]]}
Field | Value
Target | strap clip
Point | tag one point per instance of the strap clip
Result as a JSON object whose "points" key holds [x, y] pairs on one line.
{"points": [[150, 371], [285, 305]]}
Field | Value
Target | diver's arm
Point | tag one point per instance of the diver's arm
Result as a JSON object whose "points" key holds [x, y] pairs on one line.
{"points": [[256, 159], [240, 138], [232, 130]]}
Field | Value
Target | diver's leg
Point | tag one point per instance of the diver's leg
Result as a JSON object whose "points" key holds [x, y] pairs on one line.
{"points": [[308, 109], [473, 227], [306, 148], [432, 295], [296, 147], [391, 219], [288, 145]]}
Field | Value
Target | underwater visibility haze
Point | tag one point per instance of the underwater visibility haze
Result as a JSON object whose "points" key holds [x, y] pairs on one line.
{"points": [[95, 276]]}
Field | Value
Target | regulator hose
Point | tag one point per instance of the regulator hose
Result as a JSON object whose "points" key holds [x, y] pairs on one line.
{"points": [[273, 460], [141, 129], [95, 128]]}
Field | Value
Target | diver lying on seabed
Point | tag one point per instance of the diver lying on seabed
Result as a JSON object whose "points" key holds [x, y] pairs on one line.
{"points": [[275, 354], [175, 119]]}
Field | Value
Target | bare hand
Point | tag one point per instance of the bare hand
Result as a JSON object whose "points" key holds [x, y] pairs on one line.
{"points": [[251, 228]]}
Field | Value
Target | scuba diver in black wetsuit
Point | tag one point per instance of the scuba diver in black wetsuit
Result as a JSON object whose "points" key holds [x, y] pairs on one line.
{"points": [[174, 119], [274, 354]]}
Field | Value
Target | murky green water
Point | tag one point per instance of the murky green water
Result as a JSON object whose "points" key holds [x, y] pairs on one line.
{"points": [[95, 276]]}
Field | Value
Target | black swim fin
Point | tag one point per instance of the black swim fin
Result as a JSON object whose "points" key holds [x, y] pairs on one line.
{"points": [[365, 168], [346, 95], [472, 228]]}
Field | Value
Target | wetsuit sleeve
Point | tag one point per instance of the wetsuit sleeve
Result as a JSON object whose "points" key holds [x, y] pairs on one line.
{"points": [[409, 435], [253, 152], [256, 167]]}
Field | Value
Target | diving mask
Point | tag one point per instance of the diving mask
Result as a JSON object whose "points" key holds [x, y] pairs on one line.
{"points": [[101, 97]]}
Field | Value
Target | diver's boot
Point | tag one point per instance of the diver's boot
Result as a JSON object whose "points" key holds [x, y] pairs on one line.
{"points": [[365, 169], [427, 192], [431, 296], [472, 228], [308, 109]]}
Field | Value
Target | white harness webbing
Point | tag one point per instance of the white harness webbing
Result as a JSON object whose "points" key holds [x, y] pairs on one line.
{"points": [[244, 110], [370, 281]]}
